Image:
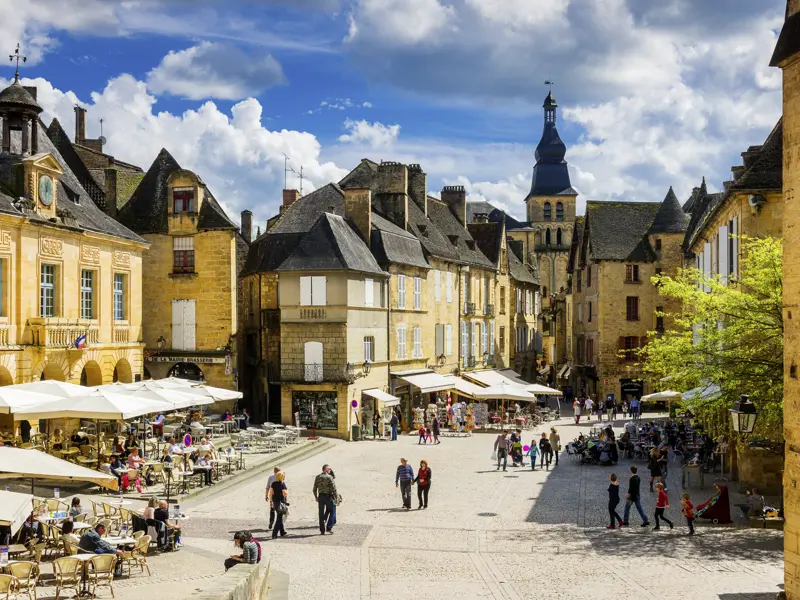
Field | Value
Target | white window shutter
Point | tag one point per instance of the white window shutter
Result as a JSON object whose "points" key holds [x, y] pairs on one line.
{"points": [[401, 291], [319, 291], [449, 286], [305, 291], [484, 338], [735, 257], [189, 325], [177, 325], [448, 340], [491, 338], [537, 307], [724, 267], [437, 284], [707, 263], [439, 339], [369, 292]]}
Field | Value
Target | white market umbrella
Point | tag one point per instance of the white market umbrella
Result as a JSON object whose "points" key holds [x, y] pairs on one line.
{"points": [[98, 405], [190, 387], [62, 389], [542, 390], [19, 463], [177, 398], [14, 400], [506, 391], [14, 509], [661, 396]]}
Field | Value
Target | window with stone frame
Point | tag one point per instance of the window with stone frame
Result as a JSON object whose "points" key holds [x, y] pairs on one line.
{"points": [[417, 343], [632, 273], [502, 300], [401, 342], [369, 349], [47, 291], [401, 291], [502, 339], [87, 294], [588, 276], [119, 296], [448, 340], [183, 254], [632, 308], [183, 200], [659, 318], [548, 211], [559, 211]]}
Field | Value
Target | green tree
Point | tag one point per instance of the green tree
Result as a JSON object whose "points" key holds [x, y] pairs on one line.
{"points": [[728, 334]]}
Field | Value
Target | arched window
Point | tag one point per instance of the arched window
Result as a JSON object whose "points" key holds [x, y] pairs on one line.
{"points": [[548, 211], [559, 211], [547, 237], [558, 236]]}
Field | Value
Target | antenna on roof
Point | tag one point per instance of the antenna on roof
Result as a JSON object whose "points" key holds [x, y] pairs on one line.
{"points": [[102, 138], [288, 168]]}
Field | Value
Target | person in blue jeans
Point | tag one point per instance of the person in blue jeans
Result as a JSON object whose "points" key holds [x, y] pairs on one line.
{"points": [[501, 445], [325, 493], [394, 427], [92, 542], [634, 497]]}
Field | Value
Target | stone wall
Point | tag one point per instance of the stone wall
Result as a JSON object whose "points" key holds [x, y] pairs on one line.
{"points": [[761, 469], [245, 582]]}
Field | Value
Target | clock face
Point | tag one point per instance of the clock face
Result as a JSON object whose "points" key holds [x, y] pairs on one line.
{"points": [[46, 190]]}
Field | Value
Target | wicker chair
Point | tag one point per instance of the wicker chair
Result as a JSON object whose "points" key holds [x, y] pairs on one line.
{"points": [[27, 574], [8, 587], [68, 573], [137, 555], [101, 573]]}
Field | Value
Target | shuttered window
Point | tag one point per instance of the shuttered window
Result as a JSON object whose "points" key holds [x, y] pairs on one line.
{"points": [[502, 339], [733, 229], [448, 340], [312, 354], [439, 342], [313, 291], [632, 308], [484, 338], [449, 286], [417, 342], [437, 276], [491, 338], [369, 292], [369, 349], [417, 293], [401, 291], [401, 342], [464, 340], [183, 325]]}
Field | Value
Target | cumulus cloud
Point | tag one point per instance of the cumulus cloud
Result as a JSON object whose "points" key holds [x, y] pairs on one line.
{"points": [[214, 70], [374, 135]]}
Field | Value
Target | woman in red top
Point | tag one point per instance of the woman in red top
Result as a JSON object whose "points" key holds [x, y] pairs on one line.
{"points": [[423, 481], [662, 504]]}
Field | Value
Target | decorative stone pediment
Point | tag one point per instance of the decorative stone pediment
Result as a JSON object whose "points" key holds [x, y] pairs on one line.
{"points": [[43, 163]]}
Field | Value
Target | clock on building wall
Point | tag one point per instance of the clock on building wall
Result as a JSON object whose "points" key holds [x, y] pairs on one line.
{"points": [[46, 190]]}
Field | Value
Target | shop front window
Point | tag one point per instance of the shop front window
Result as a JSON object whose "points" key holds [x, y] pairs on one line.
{"points": [[324, 406]]}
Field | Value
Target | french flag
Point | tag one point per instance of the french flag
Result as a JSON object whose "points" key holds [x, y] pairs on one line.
{"points": [[80, 343]]}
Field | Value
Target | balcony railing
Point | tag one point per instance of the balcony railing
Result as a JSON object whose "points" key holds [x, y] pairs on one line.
{"points": [[317, 373], [4, 335], [122, 334], [61, 333], [488, 310], [469, 308], [469, 362]]}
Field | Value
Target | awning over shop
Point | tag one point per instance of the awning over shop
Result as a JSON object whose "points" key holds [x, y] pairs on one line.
{"points": [[387, 399], [429, 382], [463, 387], [490, 377]]}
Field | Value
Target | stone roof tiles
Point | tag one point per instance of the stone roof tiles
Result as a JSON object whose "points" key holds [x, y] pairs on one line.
{"points": [[617, 230], [670, 217]]}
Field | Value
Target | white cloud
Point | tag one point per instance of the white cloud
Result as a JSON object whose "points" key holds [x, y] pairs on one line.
{"points": [[373, 135], [366, 105], [214, 70], [401, 22]]}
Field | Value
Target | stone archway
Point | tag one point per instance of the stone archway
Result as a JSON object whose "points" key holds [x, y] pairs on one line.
{"points": [[187, 370], [5, 377], [52, 371], [123, 372], [91, 375]]}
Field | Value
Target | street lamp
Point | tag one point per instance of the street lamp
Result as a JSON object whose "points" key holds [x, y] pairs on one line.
{"points": [[366, 367], [744, 416], [442, 359]]}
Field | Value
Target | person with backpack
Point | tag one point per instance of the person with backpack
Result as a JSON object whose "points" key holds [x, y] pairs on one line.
{"points": [[545, 450]]}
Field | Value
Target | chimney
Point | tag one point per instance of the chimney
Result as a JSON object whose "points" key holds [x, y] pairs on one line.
{"points": [[80, 124], [290, 197], [358, 208], [480, 218], [418, 187], [391, 196], [455, 196], [247, 226]]}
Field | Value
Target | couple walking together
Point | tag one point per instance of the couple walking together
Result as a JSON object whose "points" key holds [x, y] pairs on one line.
{"points": [[404, 479]]}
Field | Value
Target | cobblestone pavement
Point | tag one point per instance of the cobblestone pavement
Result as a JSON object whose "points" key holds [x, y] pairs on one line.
{"points": [[486, 534]]}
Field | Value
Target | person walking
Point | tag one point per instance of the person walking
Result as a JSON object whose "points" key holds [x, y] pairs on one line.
{"points": [[435, 426], [576, 409], [655, 468], [613, 501], [545, 451], [687, 508], [610, 410], [376, 423], [662, 504], [635, 408], [270, 481], [501, 448], [533, 452], [555, 442], [278, 501], [404, 479], [423, 481], [589, 406], [634, 497], [325, 494], [394, 423]]}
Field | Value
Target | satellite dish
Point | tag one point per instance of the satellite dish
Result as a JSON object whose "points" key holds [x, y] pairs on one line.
{"points": [[102, 139]]}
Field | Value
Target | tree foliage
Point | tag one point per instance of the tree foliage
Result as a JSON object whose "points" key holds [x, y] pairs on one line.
{"points": [[725, 333]]}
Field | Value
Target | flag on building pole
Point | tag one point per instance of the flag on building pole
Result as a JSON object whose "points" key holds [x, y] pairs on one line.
{"points": [[80, 342]]}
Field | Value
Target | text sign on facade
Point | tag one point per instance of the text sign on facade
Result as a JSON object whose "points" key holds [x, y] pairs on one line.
{"points": [[207, 360]]}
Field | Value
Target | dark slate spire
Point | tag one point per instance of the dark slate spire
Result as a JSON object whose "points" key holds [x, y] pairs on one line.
{"points": [[670, 217], [550, 174]]}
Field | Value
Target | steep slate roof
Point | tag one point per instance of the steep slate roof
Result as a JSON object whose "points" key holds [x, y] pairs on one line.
{"points": [[331, 245], [789, 40], [363, 176], [89, 182], [488, 237], [17, 95], [304, 212], [390, 244], [575, 244], [670, 217], [476, 208], [73, 205], [146, 211], [617, 230], [519, 271], [466, 250]]}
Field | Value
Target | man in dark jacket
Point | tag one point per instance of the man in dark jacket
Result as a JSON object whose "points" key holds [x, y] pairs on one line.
{"points": [[92, 542], [633, 497]]}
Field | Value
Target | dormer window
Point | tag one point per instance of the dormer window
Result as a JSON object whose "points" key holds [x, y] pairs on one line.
{"points": [[183, 200], [453, 239], [471, 244]]}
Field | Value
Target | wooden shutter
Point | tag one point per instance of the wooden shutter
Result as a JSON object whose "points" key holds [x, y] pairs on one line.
{"points": [[177, 325], [448, 341], [189, 325], [491, 338], [305, 291], [707, 263], [449, 288], [318, 291], [439, 340], [724, 268]]}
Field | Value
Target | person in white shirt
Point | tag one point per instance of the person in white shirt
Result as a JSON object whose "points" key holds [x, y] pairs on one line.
{"points": [[270, 481], [576, 406], [589, 405]]}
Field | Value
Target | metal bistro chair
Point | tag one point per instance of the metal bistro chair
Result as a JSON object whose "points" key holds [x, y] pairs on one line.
{"points": [[27, 574], [101, 573], [68, 572], [137, 555]]}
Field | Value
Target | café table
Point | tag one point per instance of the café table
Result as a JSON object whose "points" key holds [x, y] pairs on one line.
{"points": [[70, 452], [119, 540]]}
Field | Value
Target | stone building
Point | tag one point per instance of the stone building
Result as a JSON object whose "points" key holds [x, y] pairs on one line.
{"points": [[70, 276], [787, 57], [614, 304], [439, 297], [190, 295]]}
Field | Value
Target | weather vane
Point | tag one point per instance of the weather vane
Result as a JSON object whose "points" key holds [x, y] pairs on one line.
{"points": [[17, 56], [550, 83]]}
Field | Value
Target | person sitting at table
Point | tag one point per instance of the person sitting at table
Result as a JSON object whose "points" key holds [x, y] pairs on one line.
{"points": [[161, 514], [134, 460], [206, 443], [117, 468], [92, 542], [227, 416], [175, 447], [245, 418], [67, 535], [165, 455], [117, 447], [75, 508], [202, 467], [158, 425], [131, 443], [149, 511], [57, 441]]}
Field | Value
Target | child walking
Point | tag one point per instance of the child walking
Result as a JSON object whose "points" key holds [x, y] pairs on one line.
{"points": [[428, 435], [687, 508], [662, 504], [546, 450], [533, 452], [613, 501], [421, 436]]}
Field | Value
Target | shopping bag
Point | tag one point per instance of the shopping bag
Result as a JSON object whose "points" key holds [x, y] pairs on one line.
{"points": [[494, 455]]}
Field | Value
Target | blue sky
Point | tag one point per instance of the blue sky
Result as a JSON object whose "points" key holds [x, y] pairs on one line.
{"points": [[652, 93]]}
